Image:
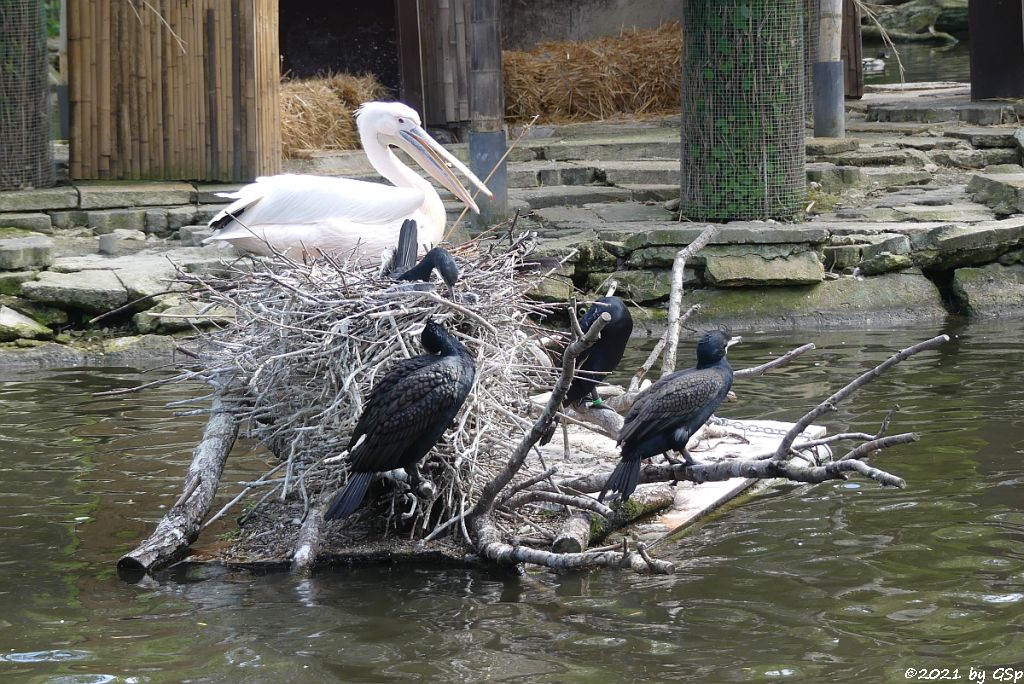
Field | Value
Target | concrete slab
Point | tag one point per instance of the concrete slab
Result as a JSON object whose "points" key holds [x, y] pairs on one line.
{"points": [[89, 291], [22, 250], [984, 136], [966, 212], [36, 221], [39, 200], [114, 194], [567, 195]]}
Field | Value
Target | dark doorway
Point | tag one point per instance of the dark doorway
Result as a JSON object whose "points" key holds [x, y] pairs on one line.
{"points": [[324, 36]]}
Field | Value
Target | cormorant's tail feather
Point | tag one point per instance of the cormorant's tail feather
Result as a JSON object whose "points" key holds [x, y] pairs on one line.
{"points": [[408, 246], [348, 499], [622, 480]]}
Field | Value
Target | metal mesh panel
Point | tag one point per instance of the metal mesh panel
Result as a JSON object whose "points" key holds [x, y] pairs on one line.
{"points": [[26, 157], [812, 12], [743, 109]]}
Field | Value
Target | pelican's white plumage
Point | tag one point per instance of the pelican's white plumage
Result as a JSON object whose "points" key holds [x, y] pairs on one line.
{"points": [[297, 214]]}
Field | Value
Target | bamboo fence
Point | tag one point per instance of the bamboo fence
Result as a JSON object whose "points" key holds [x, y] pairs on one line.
{"points": [[173, 90]]}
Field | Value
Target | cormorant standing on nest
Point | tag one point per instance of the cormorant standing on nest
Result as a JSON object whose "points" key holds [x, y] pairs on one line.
{"points": [[407, 412], [402, 261], [604, 355], [671, 410]]}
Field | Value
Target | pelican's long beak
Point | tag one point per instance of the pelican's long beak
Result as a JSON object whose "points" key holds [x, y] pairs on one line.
{"points": [[439, 162]]}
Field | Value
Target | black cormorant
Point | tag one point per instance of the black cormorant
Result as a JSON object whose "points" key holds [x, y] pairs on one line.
{"points": [[407, 412], [667, 414], [605, 354], [402, 261]]}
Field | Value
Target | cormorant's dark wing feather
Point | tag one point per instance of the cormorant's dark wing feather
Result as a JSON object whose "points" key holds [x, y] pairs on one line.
{"points": [[670, 402], [401, 414]]}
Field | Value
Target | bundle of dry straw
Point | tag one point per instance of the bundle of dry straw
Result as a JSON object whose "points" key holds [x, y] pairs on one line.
{"points": [[635, 73], [318, 113], [310, 340]]}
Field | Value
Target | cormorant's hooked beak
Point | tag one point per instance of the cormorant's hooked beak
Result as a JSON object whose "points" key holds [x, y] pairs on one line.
{"points": [[439, 162], [733, 340]]}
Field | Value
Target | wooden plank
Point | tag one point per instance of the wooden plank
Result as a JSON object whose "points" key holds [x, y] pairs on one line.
{"points": [[461, 75], [410, 66], [74, 75], [237, 145], [212, 113], [107, 56]]}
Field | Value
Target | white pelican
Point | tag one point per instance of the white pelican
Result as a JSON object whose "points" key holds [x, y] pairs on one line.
{"points": [[294, 214]]}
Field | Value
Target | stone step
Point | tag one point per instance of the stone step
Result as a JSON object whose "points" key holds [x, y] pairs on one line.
{"points": [[568, 195], [1002, 192], [988, 113], [116, 194], [982, 137]]}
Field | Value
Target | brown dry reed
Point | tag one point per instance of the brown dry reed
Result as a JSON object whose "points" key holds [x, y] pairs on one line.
{"points": [[318, 113], [633, 74]]}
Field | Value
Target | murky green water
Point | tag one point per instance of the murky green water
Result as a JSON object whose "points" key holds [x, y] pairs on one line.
{"points": [[922, 63], [841, 582]]}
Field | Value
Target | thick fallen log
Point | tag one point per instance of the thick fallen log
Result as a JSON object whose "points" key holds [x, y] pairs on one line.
{"points": [[583, 529], [181, 524]]}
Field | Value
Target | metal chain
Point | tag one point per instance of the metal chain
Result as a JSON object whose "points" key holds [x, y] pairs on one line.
{"points": [[746, 427]]}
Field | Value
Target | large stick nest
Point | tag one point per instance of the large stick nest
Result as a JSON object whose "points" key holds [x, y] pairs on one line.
{"points": [[310, 340]]}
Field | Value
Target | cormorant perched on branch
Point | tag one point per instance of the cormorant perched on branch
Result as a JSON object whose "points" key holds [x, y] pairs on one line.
{"points": [[402, 261], [604, 355], [407, 412], [667, 414]]}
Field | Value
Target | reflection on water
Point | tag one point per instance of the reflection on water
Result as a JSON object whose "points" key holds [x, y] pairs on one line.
{"points": [[837, 582], [921, 63]]}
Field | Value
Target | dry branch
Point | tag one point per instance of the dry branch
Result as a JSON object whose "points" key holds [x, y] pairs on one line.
{"points": [[676, 297], [181, 524], [829, 404]]}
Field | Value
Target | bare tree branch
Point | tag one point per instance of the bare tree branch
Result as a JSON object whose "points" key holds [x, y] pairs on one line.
{"points": [[757, 371], [675, 300], [830, 403]]}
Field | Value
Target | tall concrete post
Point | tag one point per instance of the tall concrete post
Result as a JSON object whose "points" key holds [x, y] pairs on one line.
{"points": [[487, 108], [829, 90]]}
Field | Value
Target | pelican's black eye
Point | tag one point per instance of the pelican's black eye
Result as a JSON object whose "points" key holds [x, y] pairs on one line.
{"points": [[401, 121]]}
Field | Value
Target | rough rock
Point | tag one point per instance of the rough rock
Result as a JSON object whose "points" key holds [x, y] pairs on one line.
{"points": [[841, 257], [183, 316], [1002, 192], [984, 137], [92, 291], [737, 233], [892, 298], [991, 290], [193, 236], [642, 286], [39, 200], [964, 212], [764, 265], [953, 246], [821, 146], [885, 262], [37, 222], [40, 313], [108, 220], [10, 282], [14, 326], [20, 249], [976, 159], [834, 178]]}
